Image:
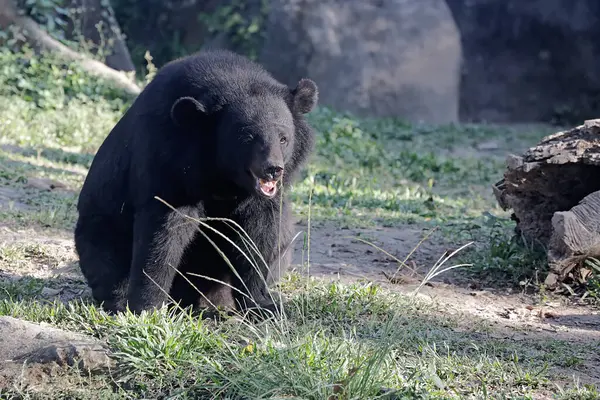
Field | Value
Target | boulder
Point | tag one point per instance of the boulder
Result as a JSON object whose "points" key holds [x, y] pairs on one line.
{"points": [[394, 58], [534, 60]]}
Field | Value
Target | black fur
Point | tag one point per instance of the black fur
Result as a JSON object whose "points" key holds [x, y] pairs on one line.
{"points": [[198, 136]]}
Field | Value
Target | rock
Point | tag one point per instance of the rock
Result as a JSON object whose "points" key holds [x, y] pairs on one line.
{"points": [[487, 146], [533, 60], [10, 198], [87, 356], [31, 353], [398, 58], [50, 292], [44, 184]]}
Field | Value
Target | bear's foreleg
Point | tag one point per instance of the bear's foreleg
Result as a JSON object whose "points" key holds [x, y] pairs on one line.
{"points": [[159, 240], [270, 230]]}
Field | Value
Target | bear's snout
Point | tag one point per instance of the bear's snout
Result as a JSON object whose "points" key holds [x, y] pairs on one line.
{"points": [[273, 172], [269, 178]]}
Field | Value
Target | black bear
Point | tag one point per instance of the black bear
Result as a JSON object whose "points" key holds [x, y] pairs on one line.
{"points": [[216, 137]]}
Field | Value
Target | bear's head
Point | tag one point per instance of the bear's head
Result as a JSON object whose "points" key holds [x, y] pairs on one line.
{"points": [[254, 133]]}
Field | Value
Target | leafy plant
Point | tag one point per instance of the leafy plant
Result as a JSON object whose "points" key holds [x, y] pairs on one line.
{"points": [[593, 283], [241, 25], [502, 257], [50, 83], [51, 14]]}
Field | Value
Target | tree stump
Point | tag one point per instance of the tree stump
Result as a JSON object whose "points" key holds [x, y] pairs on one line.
{"points": [[554, 192]]}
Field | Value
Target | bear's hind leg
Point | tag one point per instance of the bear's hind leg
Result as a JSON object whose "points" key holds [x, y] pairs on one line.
{"points": [[103, 244]]}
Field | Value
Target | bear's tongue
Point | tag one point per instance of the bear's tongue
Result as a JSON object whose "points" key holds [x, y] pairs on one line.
{"points": [[267, 187]]}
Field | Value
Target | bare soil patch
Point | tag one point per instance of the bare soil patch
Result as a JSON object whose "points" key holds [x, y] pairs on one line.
{"points": [[335, 255]]}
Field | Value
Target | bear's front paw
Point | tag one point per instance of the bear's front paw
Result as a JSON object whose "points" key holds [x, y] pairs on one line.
{"points": [[263, 311]]}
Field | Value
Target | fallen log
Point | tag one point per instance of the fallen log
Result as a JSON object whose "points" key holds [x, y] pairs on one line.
{"points": [[553, 190], [41, 41]]}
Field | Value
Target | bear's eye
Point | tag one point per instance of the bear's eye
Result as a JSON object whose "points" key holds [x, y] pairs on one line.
{"points": [[283, 140]]}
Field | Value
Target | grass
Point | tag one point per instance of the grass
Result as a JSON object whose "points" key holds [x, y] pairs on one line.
{"points": [[501, 257], [337, 341], [358, 337]]}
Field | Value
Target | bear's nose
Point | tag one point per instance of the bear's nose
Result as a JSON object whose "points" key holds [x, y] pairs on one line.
{"points": [[274, 172]]}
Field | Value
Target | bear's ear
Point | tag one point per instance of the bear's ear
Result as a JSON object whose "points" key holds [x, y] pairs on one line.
{"points": [[305, 95], [186, 110]]}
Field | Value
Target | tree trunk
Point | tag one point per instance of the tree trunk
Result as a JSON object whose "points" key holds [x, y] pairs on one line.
{"points": [[43, 42], [95, 20]]}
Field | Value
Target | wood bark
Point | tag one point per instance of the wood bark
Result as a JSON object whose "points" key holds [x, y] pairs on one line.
{"points": [[575, 237], [554, 192]]}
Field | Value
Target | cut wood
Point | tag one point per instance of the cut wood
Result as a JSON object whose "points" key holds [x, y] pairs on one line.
{"points": [[554, 192], [575, 237], [41, 41]]}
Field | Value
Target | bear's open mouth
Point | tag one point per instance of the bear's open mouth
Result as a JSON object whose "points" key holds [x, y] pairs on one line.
{"points": [[268, 188]]}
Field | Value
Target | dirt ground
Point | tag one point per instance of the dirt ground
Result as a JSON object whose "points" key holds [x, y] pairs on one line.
{"points": [[334, 254]]}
